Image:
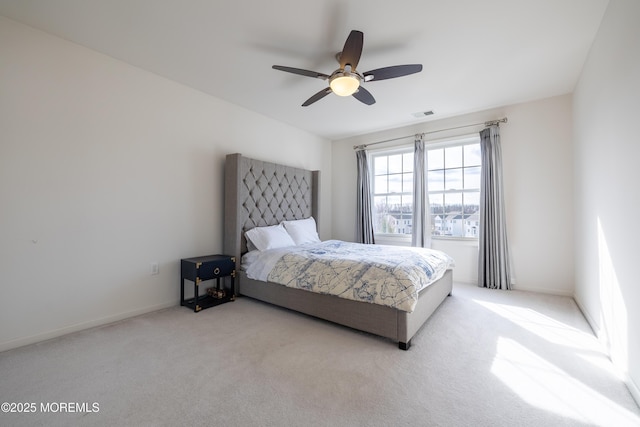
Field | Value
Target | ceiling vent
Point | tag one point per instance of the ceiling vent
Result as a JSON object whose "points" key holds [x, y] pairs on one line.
{"points": [[421, 114]]}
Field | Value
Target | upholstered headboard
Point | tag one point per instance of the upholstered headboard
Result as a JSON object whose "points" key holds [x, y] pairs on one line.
{"points": [[260, 193]]}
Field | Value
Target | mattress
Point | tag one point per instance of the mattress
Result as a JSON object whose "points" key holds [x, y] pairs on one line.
{"points": [[385, 275]]}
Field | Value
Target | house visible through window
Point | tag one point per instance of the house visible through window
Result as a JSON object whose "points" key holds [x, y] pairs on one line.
{"points": [[392, 174], [453, 175]]}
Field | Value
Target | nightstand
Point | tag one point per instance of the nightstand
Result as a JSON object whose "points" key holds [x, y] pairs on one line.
{"points": [[200, 269]]}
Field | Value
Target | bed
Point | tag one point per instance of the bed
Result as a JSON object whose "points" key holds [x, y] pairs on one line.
{"points": [[259, 194]]}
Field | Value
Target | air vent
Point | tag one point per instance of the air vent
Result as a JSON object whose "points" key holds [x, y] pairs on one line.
{"points": [[423, 114]]}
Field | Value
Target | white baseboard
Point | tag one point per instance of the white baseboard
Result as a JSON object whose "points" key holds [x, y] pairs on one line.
{"points": [[590, 320], [633, 388], [20, 342], [548, 291], [562, 293], [628, 381]]}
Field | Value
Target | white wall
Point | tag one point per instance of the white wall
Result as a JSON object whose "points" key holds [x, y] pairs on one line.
{"points": [[538, 173], [104, 169], [607, 151]]}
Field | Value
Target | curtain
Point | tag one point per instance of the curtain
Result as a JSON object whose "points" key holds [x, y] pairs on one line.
{"points": [[364, 212], [494, 270], [421, 229]]}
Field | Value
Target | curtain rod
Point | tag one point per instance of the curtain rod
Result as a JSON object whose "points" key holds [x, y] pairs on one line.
{"points": [[489, 123]]}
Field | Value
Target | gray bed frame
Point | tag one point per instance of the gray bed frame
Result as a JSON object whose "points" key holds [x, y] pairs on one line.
{"points": [[260, 193]]}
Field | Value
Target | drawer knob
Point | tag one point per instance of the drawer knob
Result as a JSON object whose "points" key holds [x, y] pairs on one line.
{"points": [[216, 270]]}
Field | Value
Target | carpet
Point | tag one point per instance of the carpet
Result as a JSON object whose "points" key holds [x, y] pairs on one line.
{"points": [[485, 358]]}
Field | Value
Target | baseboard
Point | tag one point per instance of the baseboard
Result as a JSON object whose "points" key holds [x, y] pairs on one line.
{"points": [[20, 342], [628, 381], [590, 320], [562, 293], [633, 389], [515, 287]]}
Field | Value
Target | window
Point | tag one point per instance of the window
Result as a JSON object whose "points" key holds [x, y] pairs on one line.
{"points": [[392, 175], [453, 175]]}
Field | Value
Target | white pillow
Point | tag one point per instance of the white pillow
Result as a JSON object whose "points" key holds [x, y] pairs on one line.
{"points": [[270, 237], [302, 230]]}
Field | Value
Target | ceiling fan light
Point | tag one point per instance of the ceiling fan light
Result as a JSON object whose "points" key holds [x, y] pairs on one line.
{"points": [[344, 85]]}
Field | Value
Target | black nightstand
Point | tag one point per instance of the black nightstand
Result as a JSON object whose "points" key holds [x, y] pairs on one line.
{"points": [[203, 268]]}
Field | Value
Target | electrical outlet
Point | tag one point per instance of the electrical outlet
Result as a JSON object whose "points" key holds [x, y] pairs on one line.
{"points": [[155, 268]]}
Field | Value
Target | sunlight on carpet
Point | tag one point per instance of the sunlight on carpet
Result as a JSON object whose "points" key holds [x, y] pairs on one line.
{"points": [[544, 385], [552, 331]]}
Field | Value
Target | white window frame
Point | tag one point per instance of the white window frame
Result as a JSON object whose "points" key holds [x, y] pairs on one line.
{"points": [[405, 239], [460, 140], [390, 238]]}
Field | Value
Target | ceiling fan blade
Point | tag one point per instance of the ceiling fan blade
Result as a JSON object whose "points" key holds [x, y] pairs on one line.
{"points": [[352, 50], [301, 72], [364, 96], [318, 96], [392, 72]]}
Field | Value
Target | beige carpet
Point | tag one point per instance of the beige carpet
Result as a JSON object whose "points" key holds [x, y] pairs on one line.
{"points": [[486, 358]]}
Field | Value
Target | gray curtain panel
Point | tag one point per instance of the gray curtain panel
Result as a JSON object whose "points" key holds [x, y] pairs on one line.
{"points": [[421, 228], [364, 211], [494, 270]]}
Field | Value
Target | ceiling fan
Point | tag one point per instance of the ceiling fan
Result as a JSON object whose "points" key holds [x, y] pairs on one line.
{"points": [[346, 80]]}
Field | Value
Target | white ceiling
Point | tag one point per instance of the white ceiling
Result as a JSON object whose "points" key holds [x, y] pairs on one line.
{"points": [[476, 54]]}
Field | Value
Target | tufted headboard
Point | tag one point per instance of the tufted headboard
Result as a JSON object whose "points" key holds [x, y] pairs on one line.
{"points": [[260, 193]]}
